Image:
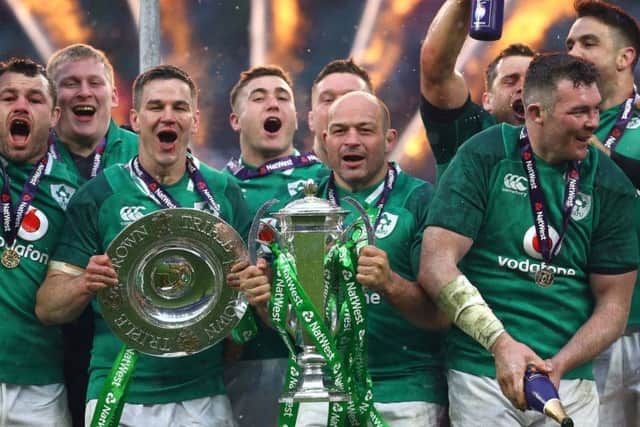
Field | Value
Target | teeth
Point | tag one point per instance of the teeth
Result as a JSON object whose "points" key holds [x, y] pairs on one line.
{"points": [[84, 109]]}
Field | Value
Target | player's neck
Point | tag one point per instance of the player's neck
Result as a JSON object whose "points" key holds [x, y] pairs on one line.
{"points": [[255, 158], [616, 92]]}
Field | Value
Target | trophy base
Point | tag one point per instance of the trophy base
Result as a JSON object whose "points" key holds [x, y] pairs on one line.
{"points": [[314, 396], [312, 387]]}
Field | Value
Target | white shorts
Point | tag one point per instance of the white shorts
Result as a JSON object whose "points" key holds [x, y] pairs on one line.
{"points": [[34, 405], [478, 401], [617, 373], [396, 414], [214, 411]]}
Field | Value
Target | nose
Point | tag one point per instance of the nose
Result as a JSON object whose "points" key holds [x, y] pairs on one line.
{"points": [[575, 50], [168, 115], [593, 120], [21, 104], [272, 103], [84, 88]]}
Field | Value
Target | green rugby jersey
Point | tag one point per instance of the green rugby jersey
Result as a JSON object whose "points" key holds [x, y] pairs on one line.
{"points": [[627, 156], [406, 362], [121, 147], [97, 213], [31, 353], [484, 196], [448, 129], [281, 185]]}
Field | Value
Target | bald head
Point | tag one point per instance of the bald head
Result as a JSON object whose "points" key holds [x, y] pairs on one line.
{"points": [[357, 99]]}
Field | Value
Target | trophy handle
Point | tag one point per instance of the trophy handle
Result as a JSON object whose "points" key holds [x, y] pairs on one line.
{"points": [[371, 237], [252, 239]]}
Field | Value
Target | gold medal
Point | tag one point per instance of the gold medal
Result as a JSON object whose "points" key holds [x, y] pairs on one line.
{"points": [[10, 258], [544, 277]]}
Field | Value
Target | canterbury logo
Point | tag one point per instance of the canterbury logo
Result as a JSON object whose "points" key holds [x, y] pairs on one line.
{"points": [[131, 213], [515, 183]]}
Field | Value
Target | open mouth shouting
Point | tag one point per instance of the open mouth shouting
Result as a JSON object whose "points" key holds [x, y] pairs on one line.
{"points": [[518, 108], [352, 160], [20, 130], [84, 112], [167, 138], [272, 125]]}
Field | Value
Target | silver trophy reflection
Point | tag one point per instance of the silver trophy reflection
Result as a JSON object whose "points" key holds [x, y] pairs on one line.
{"points": [[309, 228]]}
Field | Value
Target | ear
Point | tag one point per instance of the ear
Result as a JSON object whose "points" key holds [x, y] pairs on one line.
{"points": [[391, 140], [487, 100], [134, 120], [625, 58], [535, 113], [55, 116], [310, 121], [114, 97], [234, 121], [196, 122]]}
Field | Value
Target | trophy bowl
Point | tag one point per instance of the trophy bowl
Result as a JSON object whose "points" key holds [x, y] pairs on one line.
{"points": [[172, 299]]}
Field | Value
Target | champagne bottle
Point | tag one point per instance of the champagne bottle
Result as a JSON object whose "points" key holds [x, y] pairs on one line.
{"points": [[542, 396], [486, 19]]}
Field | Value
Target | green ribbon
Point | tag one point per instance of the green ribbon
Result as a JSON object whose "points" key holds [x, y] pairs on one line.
{"points": [[111, 400], [246, 329], [345, 350]]}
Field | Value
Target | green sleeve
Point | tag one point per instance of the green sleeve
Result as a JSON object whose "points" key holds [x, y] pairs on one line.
{"points": [[614, 249]]}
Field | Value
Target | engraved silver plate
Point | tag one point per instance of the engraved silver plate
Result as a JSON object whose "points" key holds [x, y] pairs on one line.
{"points": [[172, 299]]}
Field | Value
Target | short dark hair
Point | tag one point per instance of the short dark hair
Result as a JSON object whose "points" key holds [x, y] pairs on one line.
{"points": [[547, 70], [161, 72], [515, 49], [612, 16], [253, 73], [30, 68], [344, 66]]}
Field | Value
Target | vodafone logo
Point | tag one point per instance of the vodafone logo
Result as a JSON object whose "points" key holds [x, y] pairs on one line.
{"points": [[532, 245], [34, 225]]}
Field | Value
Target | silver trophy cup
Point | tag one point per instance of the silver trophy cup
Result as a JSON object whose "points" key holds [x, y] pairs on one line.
{"points": [[309, 228]]}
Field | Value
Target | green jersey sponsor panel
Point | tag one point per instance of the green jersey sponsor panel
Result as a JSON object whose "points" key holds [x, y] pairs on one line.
{"points": [[484, 196], [31, 353], [98, 212]]}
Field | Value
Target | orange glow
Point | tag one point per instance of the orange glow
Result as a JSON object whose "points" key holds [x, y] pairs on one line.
{"points": [[61, 19], [387, 40], [187, 54], [289, 27]]}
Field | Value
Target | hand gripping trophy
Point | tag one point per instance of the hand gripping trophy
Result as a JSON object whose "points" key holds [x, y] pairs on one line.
{"points": [[318, 307]]}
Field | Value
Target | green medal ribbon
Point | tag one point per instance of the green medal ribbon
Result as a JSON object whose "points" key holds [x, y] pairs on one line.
{"points": [[111, 401], [246, 329]]}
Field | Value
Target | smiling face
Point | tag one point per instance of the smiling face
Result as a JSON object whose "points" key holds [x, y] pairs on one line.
{"points": [[569, 123], [358, 140], [26, 115], [85, 97], [265, 116], [323, 94], [166, 121], [504, 98]]}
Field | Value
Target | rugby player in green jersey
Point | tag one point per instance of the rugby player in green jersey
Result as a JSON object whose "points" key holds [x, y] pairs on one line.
{"points": [[35, 190], [162, 391], [448, 114], [528, 250], [405, 360], [263, 113], [608, 37], [87, 140]]}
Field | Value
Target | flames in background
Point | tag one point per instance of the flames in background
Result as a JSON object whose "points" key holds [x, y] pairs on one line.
{"points": [[64, 23]]}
